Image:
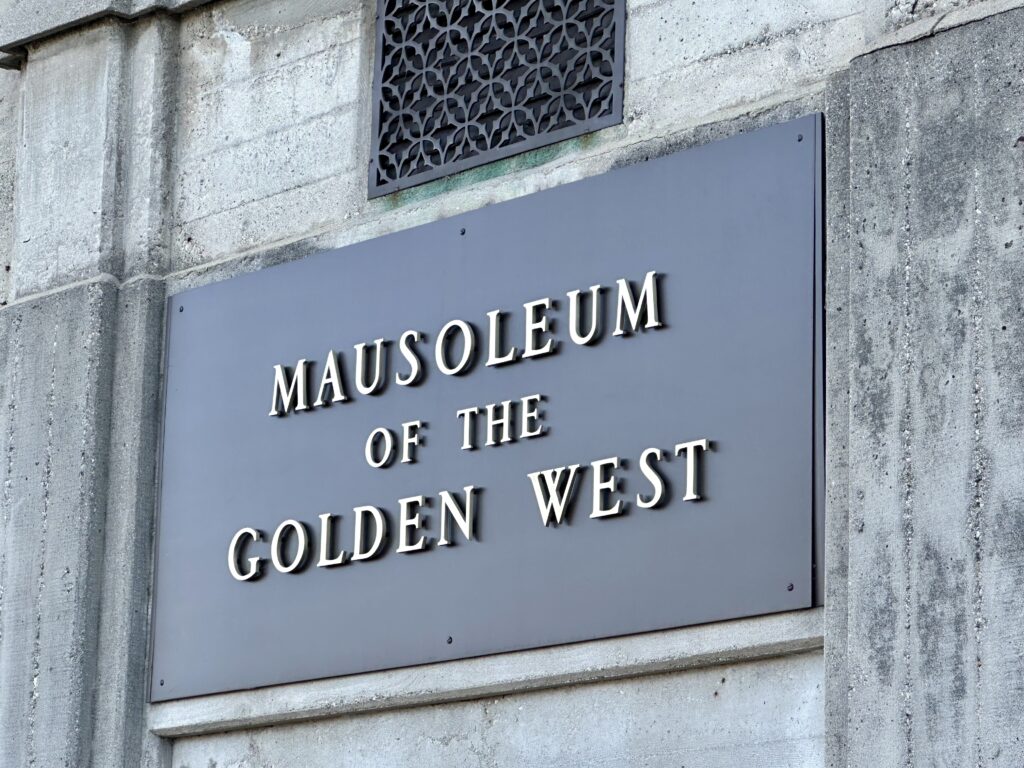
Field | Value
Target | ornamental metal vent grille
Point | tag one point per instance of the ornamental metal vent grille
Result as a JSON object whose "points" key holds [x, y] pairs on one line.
{"points": [[460, 83]]}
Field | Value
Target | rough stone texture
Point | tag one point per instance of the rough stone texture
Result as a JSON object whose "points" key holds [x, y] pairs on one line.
{"points": [[55, 408], [936, 555], [888, 15], [721, 716], [9, 115]]}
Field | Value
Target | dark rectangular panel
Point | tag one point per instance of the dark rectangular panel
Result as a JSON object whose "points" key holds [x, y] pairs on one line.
{"points": [[732, 229]]}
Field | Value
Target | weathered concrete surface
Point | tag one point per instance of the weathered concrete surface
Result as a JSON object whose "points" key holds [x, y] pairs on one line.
{"points": [[149, 98], [55, 409], [765, 714], [936, 555], [27, 20], [66, 223], [837, 409], [123, 642], [92, 195], [9, 115], [255, 79], [273, 133]]}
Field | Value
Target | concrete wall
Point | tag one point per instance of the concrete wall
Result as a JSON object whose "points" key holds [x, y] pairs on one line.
{"points": [[936, 492], [147, 147]]}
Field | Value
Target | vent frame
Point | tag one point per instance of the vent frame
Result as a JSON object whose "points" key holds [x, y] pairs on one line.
{"points": [[382, 182]]}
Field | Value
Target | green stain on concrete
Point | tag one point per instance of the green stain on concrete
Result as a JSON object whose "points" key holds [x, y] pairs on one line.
{"points": [[524, 162]]}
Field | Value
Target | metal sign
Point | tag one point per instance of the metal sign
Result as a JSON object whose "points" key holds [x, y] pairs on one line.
{"points": [[588, 412]]}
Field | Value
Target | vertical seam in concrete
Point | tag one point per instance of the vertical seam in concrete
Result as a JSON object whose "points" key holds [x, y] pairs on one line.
{"points": [[172, 195], [844, 745], [366, 85], [979, 479], [171, 80], [41, 578], [100, 402], [14, 360], [906, 473], [118, 74]]}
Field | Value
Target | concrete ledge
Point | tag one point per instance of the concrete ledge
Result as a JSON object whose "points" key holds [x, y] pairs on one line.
{"points": [[636, 655], [26, 21]]}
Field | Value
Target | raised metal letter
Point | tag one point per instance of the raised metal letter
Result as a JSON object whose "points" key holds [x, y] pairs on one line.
{"points": [[275, 546], [690, 449], [326, 534], [469, 342], [381, 525], [332, 379], [595, 316], [254, 562], [449, 506], [653, 477], [415, 365], [603, 484], [285, 391], [405, 522], [495, 337], [378, 368], [632, 308], [536, 327], [556, 496]]}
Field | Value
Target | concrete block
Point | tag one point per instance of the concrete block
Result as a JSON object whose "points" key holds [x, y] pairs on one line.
{"points": [[243, 40], [221, 115], [766, 69], [66, 223], [935, 190], [769, 713], [666, 35], [55, 407], [145, 135], [272, 137], [295, 156], [287, 215]]}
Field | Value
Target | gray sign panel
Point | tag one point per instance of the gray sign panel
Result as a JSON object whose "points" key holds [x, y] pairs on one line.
{"points": [[732, 230]]}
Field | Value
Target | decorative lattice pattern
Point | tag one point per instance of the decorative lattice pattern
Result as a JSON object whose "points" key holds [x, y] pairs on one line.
{"points": [[460, 83]]}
